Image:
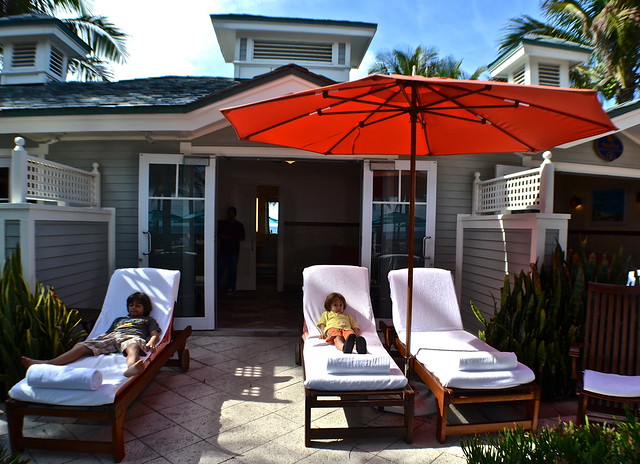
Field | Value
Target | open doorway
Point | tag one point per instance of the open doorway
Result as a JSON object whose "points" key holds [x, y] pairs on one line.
{"points": [[267, 236], [295, 214]]}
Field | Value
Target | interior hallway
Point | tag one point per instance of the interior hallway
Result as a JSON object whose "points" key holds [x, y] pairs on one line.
{"points": [[262, 309]]}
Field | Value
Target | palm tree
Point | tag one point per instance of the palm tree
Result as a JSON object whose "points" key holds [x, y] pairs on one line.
{"points": [[610, 27], [422, 61], [106, 40]]}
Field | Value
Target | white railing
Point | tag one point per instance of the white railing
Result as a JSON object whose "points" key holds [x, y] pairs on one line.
{"points": [[530, 190], [37, 179]]}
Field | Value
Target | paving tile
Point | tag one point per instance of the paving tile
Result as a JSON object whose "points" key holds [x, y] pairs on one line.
{"points": [[201, 452], [288, 448], [168, 440], [147, 425], [175, 380], [161, 400]]}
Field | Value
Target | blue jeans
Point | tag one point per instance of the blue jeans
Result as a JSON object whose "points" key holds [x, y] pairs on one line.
{"points": [[228, 262]]}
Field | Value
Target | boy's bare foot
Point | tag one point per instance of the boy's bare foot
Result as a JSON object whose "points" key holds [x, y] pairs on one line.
{"points": [[135, 369], [26, 362]]}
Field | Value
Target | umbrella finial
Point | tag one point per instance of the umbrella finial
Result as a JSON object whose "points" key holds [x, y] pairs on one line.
{"points": [[413, 70]]}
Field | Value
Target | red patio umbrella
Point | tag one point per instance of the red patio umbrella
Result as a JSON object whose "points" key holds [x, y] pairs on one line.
{"points": [[415, 115]]}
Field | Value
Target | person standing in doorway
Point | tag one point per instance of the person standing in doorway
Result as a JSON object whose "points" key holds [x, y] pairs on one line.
{"points": [[230, 234]]}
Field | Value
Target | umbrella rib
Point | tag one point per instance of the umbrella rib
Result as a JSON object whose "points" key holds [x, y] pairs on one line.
{"points": [[363, 123], [319, 112]]}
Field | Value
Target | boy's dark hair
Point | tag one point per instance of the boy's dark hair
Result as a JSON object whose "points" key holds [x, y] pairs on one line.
{"points": [[143, 299], [330, 299]]}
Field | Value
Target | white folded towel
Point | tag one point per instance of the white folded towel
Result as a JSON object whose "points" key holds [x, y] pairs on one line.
{"points": [[358, 364], [473, 360], [65, 377]]}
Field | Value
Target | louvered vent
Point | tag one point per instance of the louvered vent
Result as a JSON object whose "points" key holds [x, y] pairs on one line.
{"points": [[518, 76], [56, 63], [24, 55], [549, 74], [290, 51]]}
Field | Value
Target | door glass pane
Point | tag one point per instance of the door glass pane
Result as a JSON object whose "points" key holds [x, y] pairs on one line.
{"points": [[162, 180], [390, 225], [191, 181], [176, 227], [421, 186], [385, 186]]}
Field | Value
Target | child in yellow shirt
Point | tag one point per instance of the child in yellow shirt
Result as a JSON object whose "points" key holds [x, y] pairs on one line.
{"points": [[338, 328]]}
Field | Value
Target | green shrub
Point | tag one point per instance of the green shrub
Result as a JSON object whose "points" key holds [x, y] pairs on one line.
{"points": [[566, 444], [542, 314], [36, 325], [6, 458]]}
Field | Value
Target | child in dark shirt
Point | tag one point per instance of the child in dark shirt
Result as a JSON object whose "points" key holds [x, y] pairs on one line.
{"points": [[131, 335]]}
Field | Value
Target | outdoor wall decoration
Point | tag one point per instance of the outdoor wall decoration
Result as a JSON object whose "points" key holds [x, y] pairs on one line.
{"points": [[608, 206], [608, 148]]}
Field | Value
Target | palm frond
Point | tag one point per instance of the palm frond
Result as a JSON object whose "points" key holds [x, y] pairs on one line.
{"points": [[90, 69], [104, 38]]}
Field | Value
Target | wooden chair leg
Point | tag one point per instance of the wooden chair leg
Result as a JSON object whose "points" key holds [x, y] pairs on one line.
{"points": [[307, 419], [409, 404], [16, 424], [117, 436], [582, 408], [443, 410]]}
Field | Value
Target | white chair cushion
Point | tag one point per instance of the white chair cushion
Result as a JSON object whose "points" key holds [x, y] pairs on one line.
{"points": [[624, 386], [435, 306], [353, 283]]}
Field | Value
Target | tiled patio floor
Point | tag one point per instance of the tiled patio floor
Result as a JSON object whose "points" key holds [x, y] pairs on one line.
{"points": [[243, 401]]}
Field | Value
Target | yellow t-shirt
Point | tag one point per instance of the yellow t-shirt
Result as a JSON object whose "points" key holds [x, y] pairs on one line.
{"points": [[332, 320]]}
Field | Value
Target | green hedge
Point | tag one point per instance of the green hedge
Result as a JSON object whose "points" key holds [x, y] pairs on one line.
{"points": [[566, 444]]}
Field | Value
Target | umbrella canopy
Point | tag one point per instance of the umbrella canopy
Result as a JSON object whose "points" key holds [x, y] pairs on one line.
{"points": [[373, 115], [415, 115]]}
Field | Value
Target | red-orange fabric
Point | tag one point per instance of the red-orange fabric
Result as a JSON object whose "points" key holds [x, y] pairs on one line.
{"points": [[371, 116]]}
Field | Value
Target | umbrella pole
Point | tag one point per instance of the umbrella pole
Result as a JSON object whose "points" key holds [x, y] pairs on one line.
{"points": [[412, 221]]}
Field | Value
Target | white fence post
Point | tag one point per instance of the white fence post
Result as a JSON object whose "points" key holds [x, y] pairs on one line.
{"points": [[97, 186], [546, 184], [18, 175], [474, 193]]}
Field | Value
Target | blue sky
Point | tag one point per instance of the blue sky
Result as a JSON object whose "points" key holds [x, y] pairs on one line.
{"points": [[166, 40]]}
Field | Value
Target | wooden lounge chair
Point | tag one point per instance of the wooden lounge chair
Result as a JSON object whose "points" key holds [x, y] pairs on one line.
{"points": [[610, 355], [349, 390], [458, 367], [108, 403]]}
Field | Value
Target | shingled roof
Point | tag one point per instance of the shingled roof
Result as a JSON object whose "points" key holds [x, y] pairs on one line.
{"points": [[171, 94]]}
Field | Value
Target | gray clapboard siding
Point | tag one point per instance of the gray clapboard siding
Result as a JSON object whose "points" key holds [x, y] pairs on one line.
{"points": [[455, 180], [71, 257], [11, 236], [119, 175]]}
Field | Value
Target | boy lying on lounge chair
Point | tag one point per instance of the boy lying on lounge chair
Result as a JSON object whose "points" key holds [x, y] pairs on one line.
{"points": [[131, 335]]}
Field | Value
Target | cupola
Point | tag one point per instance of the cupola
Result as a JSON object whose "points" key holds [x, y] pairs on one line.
{"points": [[37, 49], [259, 44], [539, 60]]}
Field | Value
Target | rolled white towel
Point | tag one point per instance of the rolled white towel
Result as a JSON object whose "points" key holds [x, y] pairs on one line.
{"points": [[358, 364], [65, 377], [474, 360]]}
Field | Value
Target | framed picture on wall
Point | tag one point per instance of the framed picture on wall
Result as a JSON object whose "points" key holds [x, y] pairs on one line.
{"points": [[608, 206]]}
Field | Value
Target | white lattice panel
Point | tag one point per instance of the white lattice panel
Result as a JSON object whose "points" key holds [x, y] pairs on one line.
{"points": [[519, 191], [47, 180]]}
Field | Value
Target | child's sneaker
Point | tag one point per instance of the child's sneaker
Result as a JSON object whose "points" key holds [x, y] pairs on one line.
{"points": [[348, 344], [361, 345]]}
